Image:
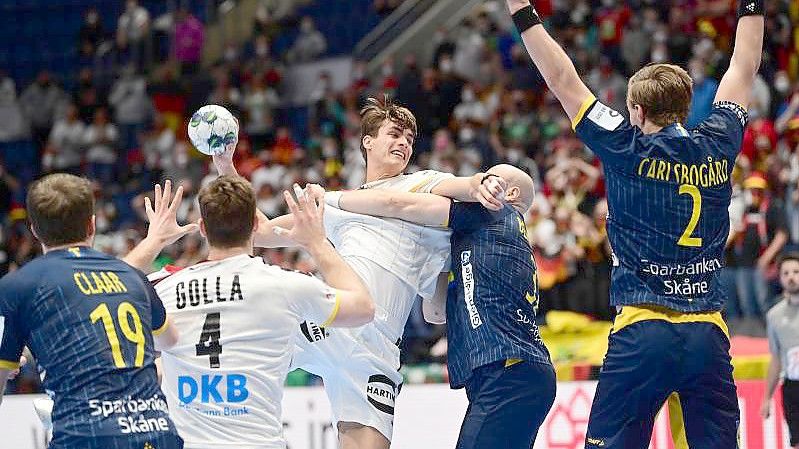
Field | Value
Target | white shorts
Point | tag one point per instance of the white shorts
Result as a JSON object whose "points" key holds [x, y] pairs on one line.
{"points": [[360, 369], [360, 366]]}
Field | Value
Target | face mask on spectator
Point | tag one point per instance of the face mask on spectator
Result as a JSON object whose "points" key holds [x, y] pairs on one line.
{"points": [[466, 134], [782, 83], [468, 96], [445, 66]]}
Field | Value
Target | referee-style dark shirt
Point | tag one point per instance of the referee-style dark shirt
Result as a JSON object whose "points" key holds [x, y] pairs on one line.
{"points": [[493, 298], [88, 318], [668, 199]]}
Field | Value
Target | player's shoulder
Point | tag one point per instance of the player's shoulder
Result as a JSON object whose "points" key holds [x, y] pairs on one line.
{"points": [[162, 274]]}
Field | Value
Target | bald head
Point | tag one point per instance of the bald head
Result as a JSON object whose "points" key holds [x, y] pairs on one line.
{"points": [[520, 191]]}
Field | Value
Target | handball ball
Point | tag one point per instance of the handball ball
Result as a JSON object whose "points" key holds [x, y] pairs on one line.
{"points": [[212, 128]]}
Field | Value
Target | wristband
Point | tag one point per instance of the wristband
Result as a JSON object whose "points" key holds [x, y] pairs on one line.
{"points": [[487, 175], [750, 8], [527, 17], [333, 199]]}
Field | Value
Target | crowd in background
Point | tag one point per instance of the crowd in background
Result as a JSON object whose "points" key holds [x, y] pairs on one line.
{"points": [[477, 99]]}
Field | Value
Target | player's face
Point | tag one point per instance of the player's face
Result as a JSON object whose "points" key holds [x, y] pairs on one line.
{"points": [[789, 276], [391, 149]]}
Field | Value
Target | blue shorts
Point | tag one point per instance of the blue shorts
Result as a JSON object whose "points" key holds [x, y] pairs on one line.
{"points": [[153, 440], [648, 361], [506, 405]]}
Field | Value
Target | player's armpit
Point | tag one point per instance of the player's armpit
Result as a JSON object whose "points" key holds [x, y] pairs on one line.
{"points": [[434, 309], [166, 336], [422, 208]]}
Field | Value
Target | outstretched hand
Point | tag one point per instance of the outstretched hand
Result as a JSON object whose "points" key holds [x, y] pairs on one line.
{"points": [[308, 212], [162, 215]]}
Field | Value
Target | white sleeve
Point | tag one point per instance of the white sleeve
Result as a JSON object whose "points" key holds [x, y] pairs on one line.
{"points": [[311, 298], [428, 180]]}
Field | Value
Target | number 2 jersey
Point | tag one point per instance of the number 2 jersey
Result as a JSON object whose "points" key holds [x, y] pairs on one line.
{"points": [[88, 318], [668, 199], [238, 320]]}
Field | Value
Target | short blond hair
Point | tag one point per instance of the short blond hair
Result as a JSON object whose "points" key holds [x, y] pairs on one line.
{"points": [[376, 112], [60, 207], [664, 91], [227, 207]]}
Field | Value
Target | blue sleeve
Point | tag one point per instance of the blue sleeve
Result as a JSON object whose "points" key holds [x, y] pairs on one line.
{"points": [[606, 132], [469, 217], [12, 329], [157, 310], [725, 124]]}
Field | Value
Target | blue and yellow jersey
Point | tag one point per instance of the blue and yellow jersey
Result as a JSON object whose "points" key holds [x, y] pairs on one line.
{"points": [[493, 298], [668, 195], [88, 318]]}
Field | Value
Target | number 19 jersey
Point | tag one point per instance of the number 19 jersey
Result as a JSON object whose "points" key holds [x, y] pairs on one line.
{"points": [[668, 199], [237, 319]]}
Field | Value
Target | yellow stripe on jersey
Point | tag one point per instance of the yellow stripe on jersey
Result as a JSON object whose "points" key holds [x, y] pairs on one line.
{"points": [[677, 422], [160, 330], [334, 313], [634, 314], [511, 362], [416, 188], [9, 365], [583, 109]]}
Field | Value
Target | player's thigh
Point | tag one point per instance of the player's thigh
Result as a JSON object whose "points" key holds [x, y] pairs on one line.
{"points": [[362, 389], [638, 374], [353, 435], [507, 405], [707, 395]]}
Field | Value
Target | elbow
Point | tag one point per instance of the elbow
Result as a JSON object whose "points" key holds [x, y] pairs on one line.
{"points": [[367, 313]]}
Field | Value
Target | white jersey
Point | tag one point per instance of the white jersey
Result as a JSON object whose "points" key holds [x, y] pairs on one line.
{"points": [[415, 254], [238, 320]]}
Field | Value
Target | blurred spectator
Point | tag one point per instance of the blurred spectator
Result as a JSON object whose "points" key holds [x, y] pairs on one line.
{"points": [[310, 44], [189, 39], [704, 93], [258, 106], [133, 29], [757, 241], [87, 97], [91, 32], [15, 124], [64, 151], [158, 145], [132, 106], [40, 102], [100, 139]]}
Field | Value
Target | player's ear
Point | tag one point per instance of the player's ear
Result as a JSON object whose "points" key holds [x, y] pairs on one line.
{"points": [[367, 142], [91, 227], [512, 193], [202, 228], [33, 231]]}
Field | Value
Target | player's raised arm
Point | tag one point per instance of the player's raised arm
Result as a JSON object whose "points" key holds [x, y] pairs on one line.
{"points": [[422, 208], [483, 188], [736, 84], [550, 59]]}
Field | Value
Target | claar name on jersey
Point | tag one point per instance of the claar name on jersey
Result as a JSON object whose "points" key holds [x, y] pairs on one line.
{"points": [[709, 174], [207, 291], [97, 283]]}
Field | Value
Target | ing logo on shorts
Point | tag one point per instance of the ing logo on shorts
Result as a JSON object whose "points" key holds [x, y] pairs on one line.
{"points": [[381, 393]]}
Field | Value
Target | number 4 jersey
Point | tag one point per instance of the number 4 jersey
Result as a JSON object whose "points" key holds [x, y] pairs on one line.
{"points": [[238, 318], [668, 199], [88, 318]]}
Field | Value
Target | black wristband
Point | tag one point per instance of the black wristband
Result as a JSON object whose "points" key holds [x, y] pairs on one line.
{"points": [[527, 17], [750, 8], [487, 175]]}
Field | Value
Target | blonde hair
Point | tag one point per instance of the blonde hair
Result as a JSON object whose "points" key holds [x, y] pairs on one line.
{"points": [[376, 112], [60, 207], [227, 207], [664, 91]]}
